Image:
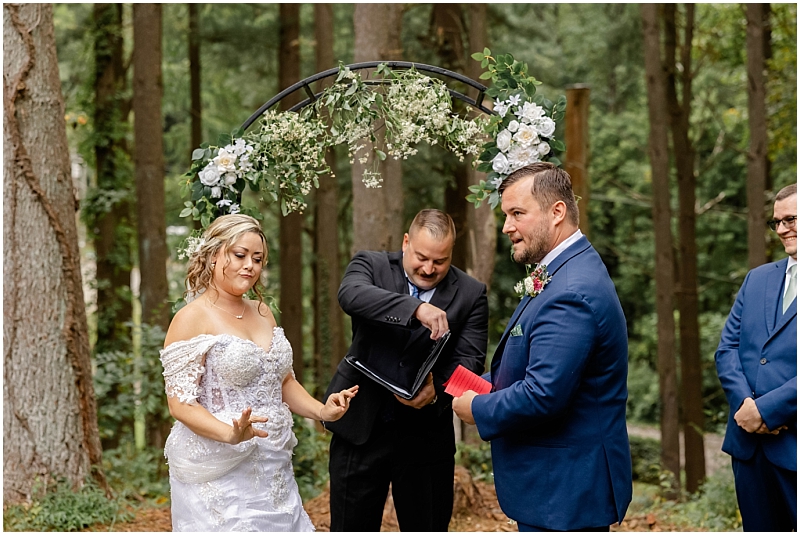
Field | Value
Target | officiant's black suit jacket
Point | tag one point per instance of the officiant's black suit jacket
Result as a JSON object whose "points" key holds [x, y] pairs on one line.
{"points": [[374, 292]]}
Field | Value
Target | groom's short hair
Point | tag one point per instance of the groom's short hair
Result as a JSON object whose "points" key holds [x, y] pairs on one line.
{"points": [[438, 224], [550, 185]]}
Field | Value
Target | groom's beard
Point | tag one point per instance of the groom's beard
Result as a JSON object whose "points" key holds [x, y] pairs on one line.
{"points": [[539, 245]]}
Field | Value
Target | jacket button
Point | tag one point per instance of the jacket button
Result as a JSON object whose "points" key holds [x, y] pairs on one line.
{"points": [[763, 361]]}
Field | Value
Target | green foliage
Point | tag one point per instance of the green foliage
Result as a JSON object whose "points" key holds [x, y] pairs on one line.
{"points": [[310, 459], [137, 473], [137, 384], [646, 459], [476, 459], [60, 508]]}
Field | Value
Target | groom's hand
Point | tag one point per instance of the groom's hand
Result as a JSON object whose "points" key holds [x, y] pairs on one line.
{"points": [[433, 318], [463, 406]]}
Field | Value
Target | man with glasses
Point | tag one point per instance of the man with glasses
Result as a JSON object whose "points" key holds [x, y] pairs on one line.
{"points": [[757, 366]]}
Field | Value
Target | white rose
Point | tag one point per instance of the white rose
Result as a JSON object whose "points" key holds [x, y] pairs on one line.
{"points": [[209, 176], [500, 164], [520, 156], [225, 161], [543, 149], [513, 126], [526, 135], [229, 179], [503, 140], [530, 112], [216, 192], [546, 126]]}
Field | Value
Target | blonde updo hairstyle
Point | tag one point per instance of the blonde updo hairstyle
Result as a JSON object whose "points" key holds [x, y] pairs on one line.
{"points": [[220, 235]]}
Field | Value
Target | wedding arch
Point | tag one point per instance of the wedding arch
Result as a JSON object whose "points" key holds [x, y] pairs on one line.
{"points": [[284, 157]]}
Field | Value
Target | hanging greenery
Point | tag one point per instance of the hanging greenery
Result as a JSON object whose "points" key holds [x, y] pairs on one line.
{"points": [[284, 157]]}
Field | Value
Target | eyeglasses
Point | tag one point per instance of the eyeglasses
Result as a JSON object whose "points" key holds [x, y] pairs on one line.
{"points": [[789, 222]]}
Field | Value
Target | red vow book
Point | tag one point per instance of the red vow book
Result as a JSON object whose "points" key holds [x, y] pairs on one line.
{"points": [[463, 380]]}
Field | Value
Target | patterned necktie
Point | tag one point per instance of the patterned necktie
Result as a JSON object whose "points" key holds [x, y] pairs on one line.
{"points": [[414, 290], [791, 289]]}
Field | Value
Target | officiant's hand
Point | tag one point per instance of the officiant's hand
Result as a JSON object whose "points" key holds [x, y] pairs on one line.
{"points": [[433, 318], [426, 395], [463, 406], [337, 404]]}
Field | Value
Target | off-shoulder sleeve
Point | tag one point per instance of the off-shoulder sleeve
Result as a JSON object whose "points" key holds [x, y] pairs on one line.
{"points": [[183, 367]]}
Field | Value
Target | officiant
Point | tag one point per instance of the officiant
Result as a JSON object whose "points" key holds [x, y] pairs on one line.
{"points": [[400, 303]]}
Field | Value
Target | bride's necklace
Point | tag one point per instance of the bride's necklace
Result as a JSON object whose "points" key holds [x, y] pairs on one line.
{"points": [[231, 313]]}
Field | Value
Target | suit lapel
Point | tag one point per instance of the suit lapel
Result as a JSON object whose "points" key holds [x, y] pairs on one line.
{"points": [[571, 252], [773, 295], [398, 274], [498, 353], [775, 284], [445, 291]]}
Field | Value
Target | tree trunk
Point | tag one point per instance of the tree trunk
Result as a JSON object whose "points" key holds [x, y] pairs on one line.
{"points": [[49, 413], [328, 319], [291, 226], [481, 224], [659, 164], [149, 164], [149, 167], [686, 291], [109, 224], [577, 158], [447, 28], [757, 119], [194, 76], [377, 212]]}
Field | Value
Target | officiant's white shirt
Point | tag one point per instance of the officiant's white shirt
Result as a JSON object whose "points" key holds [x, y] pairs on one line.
{"points": [[560, 248]]}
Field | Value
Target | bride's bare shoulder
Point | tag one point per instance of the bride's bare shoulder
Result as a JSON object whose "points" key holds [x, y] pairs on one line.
{"points": [[189, 322]]}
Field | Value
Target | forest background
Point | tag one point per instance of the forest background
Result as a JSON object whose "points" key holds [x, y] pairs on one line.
{"points": [[679, 182]]}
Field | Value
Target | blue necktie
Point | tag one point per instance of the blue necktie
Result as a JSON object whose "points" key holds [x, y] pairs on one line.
{"points": [[414, 290]]}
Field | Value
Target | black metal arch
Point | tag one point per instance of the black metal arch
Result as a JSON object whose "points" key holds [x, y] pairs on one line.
{"points": [[312, 97]]}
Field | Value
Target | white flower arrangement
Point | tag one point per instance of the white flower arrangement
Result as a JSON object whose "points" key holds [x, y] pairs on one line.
{"points": [[523, 129]]}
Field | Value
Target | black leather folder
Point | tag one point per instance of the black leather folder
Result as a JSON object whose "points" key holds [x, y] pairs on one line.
{"points": [[403, 378]]}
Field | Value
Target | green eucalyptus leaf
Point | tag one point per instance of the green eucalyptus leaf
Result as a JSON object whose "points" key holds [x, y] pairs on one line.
{"points": [[557, 145], [186, 212], [477, 56], [555, 161], [205, 219], [197, 154], [381, 155], [486, 76]]}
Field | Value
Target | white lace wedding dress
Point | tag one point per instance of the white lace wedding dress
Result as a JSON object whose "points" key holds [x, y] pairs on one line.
{"points": [[217, 486]]}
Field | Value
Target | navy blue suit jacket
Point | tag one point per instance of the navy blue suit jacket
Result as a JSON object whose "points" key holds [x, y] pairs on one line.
{"points": [[556, 416], [757, 358]]}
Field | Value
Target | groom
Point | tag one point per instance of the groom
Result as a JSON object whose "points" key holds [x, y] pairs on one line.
{"points": [[556, 413]]}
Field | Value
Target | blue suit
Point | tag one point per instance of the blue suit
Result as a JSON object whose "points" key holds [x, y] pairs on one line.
{"points": [[556, 415], [757, 358]]}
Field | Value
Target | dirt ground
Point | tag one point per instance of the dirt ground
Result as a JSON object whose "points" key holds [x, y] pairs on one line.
{"points": [[475, 505], [486, 517]]}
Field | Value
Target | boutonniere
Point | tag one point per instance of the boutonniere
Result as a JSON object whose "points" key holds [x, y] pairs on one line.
{"points": [[534, 282]]}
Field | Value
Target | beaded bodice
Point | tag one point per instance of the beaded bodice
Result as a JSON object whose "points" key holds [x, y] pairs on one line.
{"points": [[237, 374]]}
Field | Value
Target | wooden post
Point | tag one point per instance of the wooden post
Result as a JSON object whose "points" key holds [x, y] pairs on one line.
{"points": [[576, 162]]}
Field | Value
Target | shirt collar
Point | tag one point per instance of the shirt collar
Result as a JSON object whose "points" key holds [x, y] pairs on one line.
{"points": [[561, 247], [790, 263]]}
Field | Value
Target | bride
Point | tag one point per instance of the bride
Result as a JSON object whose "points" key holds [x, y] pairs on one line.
{"points": [[230, 386]]}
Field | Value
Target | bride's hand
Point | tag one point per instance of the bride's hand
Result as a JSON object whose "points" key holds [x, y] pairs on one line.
{"points": [[243, 429], [337, 405]]}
